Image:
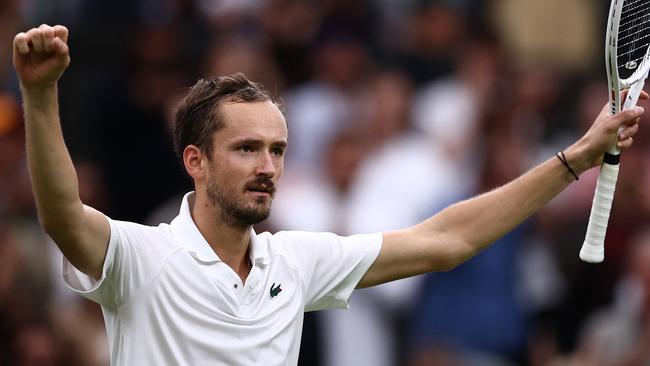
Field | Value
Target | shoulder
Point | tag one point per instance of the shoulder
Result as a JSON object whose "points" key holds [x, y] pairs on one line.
{"points": [[139, 235], [283, 240], [300, 244]]}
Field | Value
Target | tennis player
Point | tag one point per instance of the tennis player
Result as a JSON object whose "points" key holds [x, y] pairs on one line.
{"points": [[206, 289]]}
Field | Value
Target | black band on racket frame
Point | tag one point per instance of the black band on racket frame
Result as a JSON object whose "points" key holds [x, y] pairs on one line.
{"points": [[612, 159]]}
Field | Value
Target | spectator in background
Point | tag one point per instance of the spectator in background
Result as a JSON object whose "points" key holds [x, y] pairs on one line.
{"points": [[435, 32], [368, 332], [10, 151], [320, 109], [10, 21], [155, 61], [477, 314], [233, 52], [36, 345], [291, 26], [473, 89], [619, 334]]}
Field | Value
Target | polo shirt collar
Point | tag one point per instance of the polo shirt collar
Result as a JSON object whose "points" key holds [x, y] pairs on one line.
{"points": [[184, 231]]}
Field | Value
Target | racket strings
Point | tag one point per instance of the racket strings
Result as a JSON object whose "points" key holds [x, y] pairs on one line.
{"points": [[631, 7], [633, 36], [642, 39], [625, 27]]}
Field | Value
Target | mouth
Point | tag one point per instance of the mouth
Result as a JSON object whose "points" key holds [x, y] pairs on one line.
{"points": [[261, 189], [259, 193]]}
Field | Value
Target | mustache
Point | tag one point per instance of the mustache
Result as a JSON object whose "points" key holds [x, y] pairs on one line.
{"points": [[264, 184]]}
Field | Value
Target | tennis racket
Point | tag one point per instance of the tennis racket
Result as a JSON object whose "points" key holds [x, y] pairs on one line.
{"points": [[627, 63]]}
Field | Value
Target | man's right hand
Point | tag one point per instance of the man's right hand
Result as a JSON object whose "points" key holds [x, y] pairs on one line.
{"points": [[41, 55]]}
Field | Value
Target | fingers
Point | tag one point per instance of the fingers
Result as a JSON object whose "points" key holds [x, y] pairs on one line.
{"points": [[60, 47], [61, 32], [48, 37], [628, 132], [21, 43], [628, 121], [624, 144], [627, 117], [35, 36], [44, 39]]}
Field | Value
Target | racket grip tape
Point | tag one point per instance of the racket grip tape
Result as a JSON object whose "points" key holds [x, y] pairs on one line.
{"points": [[593, 248]]}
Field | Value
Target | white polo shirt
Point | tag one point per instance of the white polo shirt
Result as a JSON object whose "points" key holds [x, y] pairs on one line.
{"points": [[167, 298]]}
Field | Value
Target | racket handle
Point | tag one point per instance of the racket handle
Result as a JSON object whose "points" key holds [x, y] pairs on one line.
{"points": [[593, 249]]}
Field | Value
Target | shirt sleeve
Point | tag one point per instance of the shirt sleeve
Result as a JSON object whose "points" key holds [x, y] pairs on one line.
{"points": [[331, 266], [132, 257]]}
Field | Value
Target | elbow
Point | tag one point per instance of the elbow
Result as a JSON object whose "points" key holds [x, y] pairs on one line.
{"points": [[59, 229], [455, 255], [70, 240], [442, 261], [52, 226], [446, 265], [62, 222]]}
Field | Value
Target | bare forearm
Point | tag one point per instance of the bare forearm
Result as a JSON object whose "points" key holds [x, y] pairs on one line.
{"points": [[460, 231], [54, 179], [471, 225]]}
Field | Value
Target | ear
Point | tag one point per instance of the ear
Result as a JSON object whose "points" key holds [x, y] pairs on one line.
{"points": [[193, 162]]}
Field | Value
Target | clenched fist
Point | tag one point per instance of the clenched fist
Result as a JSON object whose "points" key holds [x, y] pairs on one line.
{"points": [[41, 55]]}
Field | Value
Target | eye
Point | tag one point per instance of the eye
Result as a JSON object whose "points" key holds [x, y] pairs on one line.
{"points": [[277, 151], [247, 148]]}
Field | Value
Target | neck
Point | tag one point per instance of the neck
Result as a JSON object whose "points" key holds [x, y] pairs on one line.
{"points": [[230, 243]]}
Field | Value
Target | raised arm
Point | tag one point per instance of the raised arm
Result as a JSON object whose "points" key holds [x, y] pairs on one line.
{"points": [[460, 231], [40, 56]]}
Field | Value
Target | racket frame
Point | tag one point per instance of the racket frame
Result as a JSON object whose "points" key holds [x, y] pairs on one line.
{"points": [[593, 248]]}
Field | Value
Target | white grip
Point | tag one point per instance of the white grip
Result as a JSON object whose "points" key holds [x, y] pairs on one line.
{"points": [[593, 249]]}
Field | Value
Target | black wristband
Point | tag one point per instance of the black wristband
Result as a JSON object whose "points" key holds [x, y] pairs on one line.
{"points": [[560, 155]]}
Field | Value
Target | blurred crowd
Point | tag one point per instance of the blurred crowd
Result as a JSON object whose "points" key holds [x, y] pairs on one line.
{"points": [[396, 108]]}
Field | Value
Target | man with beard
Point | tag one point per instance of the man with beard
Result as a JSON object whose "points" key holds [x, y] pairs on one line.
{"points": [[208, 290]]}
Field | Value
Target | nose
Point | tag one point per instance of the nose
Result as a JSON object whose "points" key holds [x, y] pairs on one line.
{"points": [[265, 165]]}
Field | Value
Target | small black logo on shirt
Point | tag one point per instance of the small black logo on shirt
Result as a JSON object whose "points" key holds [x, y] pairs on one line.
{"points": [[275, 290]]}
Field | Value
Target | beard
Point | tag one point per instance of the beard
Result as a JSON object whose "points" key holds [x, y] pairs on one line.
{"points": [[234, 210]]}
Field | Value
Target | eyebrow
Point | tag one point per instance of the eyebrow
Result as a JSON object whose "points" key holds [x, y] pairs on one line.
{"points": [[282, 144], [257, 142]]}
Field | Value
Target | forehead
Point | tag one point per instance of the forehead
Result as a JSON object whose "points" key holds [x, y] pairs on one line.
{"points": [[257, 120]]}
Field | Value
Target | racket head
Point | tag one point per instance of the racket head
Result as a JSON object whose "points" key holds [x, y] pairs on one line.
{"points": [[627, 57]]}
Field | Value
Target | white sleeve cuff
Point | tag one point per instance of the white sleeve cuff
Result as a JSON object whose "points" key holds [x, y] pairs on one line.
{"points": [[339, 296], [342, 298], [86, 285]]}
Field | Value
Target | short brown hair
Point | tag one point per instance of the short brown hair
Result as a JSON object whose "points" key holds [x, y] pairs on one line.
{"points": [[197, 117]]}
